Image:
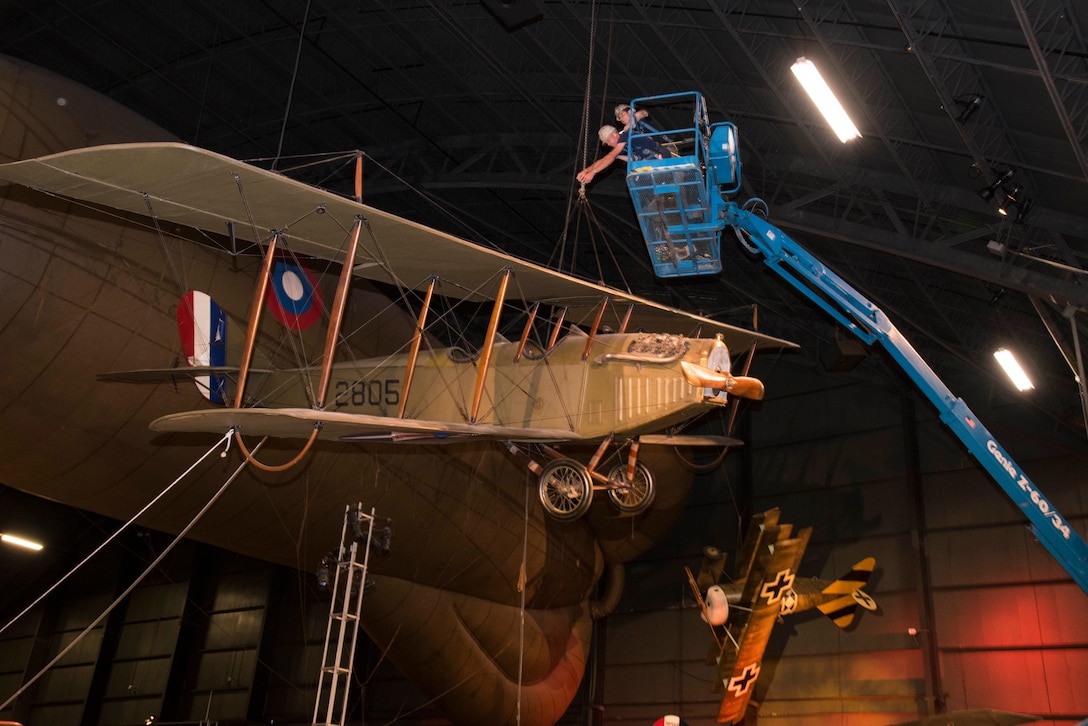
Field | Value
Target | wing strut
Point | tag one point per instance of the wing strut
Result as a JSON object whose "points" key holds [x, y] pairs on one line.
{"points": [[254, 318], [489, 344], [626, 318], [525, 333], [596, 328], [255, 308], [336, 316], [556, 328], [413, 354]]}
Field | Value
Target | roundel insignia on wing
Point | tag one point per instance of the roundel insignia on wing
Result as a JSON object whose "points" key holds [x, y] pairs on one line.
{"points": [[864, 599], [293, 295], [789, 601]]}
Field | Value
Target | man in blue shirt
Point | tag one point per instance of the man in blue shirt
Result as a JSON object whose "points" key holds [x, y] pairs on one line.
{"points": [[623, 115]]}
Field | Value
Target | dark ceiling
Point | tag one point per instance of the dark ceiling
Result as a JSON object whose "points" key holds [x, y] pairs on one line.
{"points": [[478, 128]]}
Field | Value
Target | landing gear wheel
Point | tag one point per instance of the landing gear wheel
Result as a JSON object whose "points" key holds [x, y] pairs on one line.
{"points": [[631, 497], [566, 490]]}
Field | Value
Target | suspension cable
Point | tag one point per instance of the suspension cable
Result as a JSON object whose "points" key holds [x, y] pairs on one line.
{"points": [[120, 598], [160, 495]]}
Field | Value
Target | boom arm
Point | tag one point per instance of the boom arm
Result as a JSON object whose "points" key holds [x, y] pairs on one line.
{"points": [[859, 315]]}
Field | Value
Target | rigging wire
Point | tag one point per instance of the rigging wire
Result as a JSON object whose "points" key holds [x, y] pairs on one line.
{"points": [[207, 79], [162, 241], [128, 591], [438, 206], [291, 88]]}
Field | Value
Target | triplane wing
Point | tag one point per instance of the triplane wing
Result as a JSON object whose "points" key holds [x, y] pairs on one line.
{"points": [[625, 367], [766, 586]]}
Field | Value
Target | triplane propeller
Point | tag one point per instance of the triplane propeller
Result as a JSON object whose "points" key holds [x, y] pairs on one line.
{"points": [[562, 360]]}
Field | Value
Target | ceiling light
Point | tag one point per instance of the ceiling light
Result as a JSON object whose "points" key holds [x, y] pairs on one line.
{"points": [[1013, 370], [969, 104], [988, 193], [1023, 210], [822, 95], [19, 542], [1012, 198]]}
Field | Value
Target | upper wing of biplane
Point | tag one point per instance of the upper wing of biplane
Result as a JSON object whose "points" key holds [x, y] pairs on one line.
{"points": [[770, 575], [197, 188]]}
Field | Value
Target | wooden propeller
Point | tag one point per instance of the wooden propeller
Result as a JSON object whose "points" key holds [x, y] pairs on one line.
{"points": [[704, 377]]}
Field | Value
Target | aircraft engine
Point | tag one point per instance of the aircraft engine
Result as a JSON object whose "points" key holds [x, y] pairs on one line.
{"points": [[717, 609]]}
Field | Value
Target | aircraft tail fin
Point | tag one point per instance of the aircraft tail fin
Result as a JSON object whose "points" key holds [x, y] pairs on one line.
{"points": [[202, 327], [846, 594]]}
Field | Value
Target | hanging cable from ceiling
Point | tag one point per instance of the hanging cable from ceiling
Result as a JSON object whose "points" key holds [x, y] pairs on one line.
{"points": [[579, 213], [291, 86]]}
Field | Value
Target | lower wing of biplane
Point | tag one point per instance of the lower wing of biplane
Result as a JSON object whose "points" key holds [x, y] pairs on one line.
{"points": [[766, 586], [574, 374]]}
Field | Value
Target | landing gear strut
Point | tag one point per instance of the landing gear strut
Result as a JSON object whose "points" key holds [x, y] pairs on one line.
{"points": [[566, 486]]}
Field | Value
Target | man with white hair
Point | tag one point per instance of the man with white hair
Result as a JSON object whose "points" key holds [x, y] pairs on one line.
{"points": [[641, 148]]}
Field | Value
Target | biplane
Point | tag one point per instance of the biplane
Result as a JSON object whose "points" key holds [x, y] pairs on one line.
{"points": [[622, 371], [158, 285], [764, 587]]}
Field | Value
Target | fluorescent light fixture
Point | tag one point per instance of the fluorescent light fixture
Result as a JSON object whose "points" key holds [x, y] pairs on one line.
{"points": [[1013, 370], [19, 542], [821, 94]]}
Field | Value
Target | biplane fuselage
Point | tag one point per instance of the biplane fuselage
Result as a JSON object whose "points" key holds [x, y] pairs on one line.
{"points": [[611, 391]]}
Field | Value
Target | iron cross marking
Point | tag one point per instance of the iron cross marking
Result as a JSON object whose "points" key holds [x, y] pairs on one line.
{"points": [[774, 590], [740, 684]]}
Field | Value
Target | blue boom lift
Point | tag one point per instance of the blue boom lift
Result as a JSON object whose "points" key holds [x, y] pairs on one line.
{"points": [[682, 209]]}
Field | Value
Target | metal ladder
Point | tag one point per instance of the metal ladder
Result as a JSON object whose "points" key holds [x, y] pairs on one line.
{"points": [[342, 633]]}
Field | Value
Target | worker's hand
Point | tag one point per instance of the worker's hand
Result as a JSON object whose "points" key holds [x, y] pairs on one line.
{"points": [[585, 175]]}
